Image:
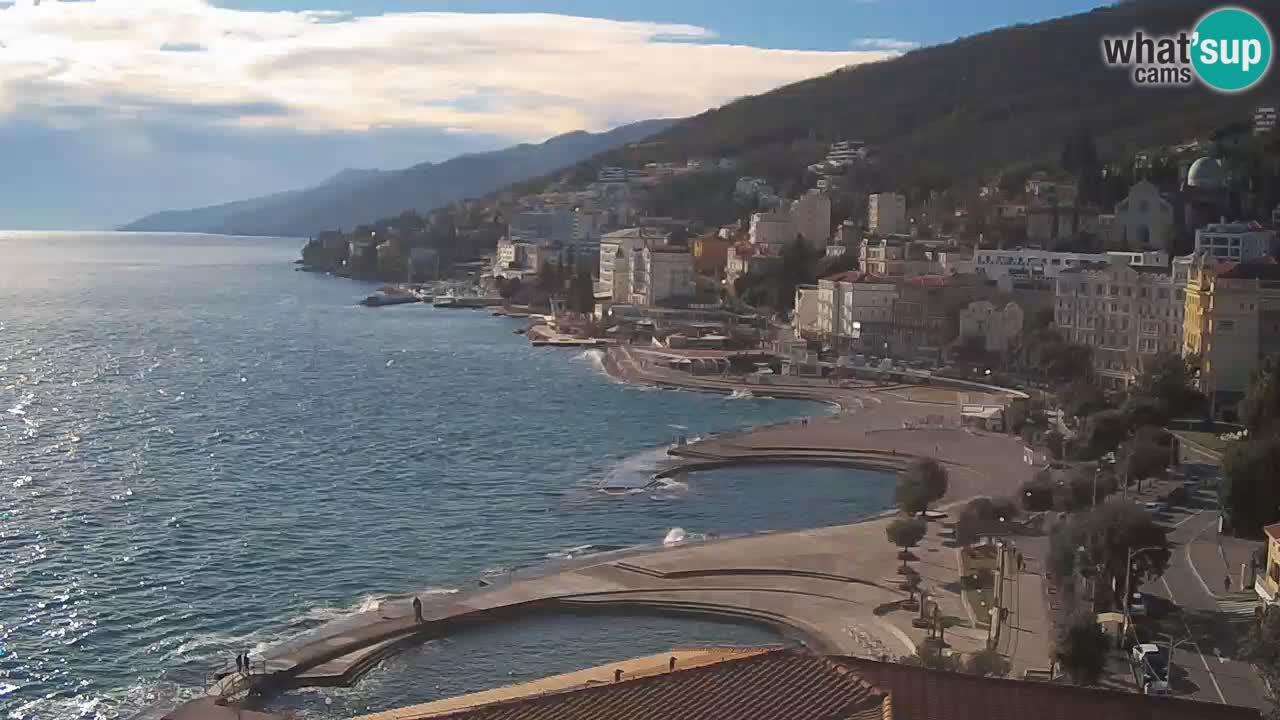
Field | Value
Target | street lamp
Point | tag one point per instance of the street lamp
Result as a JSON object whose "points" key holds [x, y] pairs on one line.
{"points": [[1128, 570], [1172, 645]]}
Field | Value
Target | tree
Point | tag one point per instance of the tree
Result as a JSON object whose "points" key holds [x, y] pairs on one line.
{"points": [[931, 656], [1037, 494], [987, 663], [1080, 648], [1261, 405], [1148, 453], [1249, 492], [1081, 398], [1170, 379], [1103, 431], [1055, 443], [905, 533], [931, 475], [1263, 644], [1097, 544], [1142, 410], [911, 496], [984, 516]]}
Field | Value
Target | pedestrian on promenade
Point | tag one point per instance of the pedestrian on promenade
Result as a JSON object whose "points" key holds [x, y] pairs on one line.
{"points": [[417, 609], [239, 663], [248, 669]]}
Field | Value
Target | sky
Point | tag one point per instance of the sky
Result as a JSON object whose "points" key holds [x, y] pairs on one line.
{"points": [[112, 109]]}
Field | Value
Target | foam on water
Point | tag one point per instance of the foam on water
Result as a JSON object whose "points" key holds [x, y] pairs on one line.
{"points": [[284, 474]]}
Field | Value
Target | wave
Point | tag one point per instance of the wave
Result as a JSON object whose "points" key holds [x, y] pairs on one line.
{"points": [[578, 551], [635, 472], [741, 394], [679, 536]]}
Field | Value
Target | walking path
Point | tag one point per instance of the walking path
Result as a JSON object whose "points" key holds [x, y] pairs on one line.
{"points": [[834, 588]]}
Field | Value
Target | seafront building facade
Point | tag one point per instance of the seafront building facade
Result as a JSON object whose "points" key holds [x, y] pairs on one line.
{"points": [[1126, 313], [1232, 321], [625, 242]]}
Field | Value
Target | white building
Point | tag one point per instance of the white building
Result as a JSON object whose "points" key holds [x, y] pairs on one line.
{"points": [[1030, 262], [998, 327], [1235, 242], [627, 241], [846, 152], [1143, 220], [658, 274], [812, 216], [887, 213], [855, 310], [774, 229], [610, 175], [1264, 119], [1126, 313], [804, 319]]}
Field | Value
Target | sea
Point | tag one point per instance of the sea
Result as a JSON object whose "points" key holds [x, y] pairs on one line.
{"points": [[203, 451]]}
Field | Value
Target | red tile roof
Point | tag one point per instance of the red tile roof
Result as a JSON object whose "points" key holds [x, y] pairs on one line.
{"points": [[1272, 531], [780, 685], [917, 693], [849, 276]]}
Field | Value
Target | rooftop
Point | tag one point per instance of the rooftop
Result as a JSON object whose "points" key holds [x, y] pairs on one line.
{"points": [[917, 693], [1272, 531], [1264, 269], [774, 683], [777, 684]]}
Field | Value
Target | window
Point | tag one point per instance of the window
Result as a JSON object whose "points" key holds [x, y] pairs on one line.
{"points": [[1226, 325]]}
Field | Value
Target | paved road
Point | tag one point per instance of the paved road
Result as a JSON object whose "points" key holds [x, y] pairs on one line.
{"points": [[1207, 632]]}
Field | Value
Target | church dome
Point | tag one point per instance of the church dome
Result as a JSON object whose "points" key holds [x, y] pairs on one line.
{"points": [[1205, 173]]}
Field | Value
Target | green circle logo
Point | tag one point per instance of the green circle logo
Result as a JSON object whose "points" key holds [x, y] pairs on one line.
{"points": [[1231, 49]]}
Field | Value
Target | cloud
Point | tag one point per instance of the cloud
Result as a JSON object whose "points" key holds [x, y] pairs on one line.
{"points": [[519, 76], [884, 44]]}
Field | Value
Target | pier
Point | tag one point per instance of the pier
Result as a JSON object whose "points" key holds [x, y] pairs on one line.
{"points": [[834, 589]]}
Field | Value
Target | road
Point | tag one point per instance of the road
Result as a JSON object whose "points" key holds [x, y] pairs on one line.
{"points": [[1207, 634]]}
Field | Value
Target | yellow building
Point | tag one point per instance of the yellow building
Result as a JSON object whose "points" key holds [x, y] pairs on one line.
{"points": [[1267, 582], [1231, 321]]}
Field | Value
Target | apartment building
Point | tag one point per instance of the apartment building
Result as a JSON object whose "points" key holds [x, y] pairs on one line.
{"points": [[1231, 322], [1235, 242], [1126, 313], [887, 213]]}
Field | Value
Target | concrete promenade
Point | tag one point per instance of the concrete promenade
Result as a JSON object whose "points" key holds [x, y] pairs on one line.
{"points": [[834, 588]]}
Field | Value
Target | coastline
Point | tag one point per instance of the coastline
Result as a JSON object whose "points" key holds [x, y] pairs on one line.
{"points": [[770, 578]]}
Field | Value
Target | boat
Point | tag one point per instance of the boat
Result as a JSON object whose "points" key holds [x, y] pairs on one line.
{"points": [[381, 299]]}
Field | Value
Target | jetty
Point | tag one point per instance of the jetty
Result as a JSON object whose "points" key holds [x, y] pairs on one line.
{"points": [[809, 585], [466, 303]]}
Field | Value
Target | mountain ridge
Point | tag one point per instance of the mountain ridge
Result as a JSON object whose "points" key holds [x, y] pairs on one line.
{"points": [[354, 196]]}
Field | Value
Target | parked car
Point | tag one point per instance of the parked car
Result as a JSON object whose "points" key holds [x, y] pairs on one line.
{"points": [[1151, 668], [1138, 608]]}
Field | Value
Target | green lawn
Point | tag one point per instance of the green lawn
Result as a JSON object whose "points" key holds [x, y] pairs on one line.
{"points": [[1206, 440]]}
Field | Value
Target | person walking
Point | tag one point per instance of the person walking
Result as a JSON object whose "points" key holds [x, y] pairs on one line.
{"points": [[247, 666], [239, 663], [417, 609]]}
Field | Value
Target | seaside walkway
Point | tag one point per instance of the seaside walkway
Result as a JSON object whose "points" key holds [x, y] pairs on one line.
{"points": [[834, 588]]}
